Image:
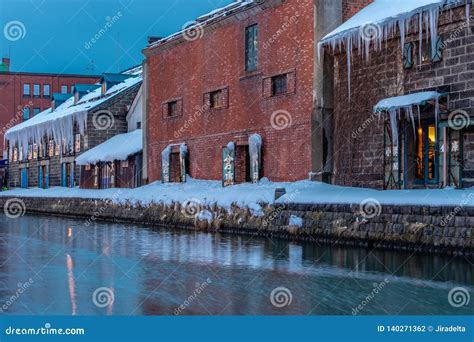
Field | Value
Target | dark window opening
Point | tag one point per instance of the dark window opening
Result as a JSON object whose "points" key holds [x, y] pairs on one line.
{"points": [[242, 165], [279, 85], [251, 60], [173, 108], [139, 125], [216, 99]]}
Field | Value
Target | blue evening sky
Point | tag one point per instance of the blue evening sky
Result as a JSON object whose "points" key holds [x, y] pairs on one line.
{"points": [[55, 35]]}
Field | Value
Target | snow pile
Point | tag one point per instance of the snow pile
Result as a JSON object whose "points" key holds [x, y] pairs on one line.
{"points": [[295, 221], [382, 20], [394, 105], [59, 124], [119, 147], [252, 196], [205, 215]]}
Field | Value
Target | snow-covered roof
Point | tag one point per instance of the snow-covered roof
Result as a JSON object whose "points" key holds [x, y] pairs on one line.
{"points": [[415, 99], [119, 147], [58, 124], [383, 12], [206, 19]]}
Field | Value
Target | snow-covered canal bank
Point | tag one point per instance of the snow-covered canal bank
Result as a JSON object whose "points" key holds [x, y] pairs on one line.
{"points": [[252, 196]]}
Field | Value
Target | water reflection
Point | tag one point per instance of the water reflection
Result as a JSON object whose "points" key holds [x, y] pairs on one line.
{"points": [[156, 271]]}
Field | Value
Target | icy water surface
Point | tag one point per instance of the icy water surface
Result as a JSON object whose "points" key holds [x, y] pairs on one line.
{"points": [[57, 266]]}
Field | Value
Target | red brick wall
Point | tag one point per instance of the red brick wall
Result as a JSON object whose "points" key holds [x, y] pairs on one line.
{"points": [[190, 69], [12, 100], [351, 7]]}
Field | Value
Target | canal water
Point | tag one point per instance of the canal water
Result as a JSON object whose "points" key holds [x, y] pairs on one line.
{"points": [[58, 266]]}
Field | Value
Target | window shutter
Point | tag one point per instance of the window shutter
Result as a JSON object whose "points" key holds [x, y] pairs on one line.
{"points": [[267, 87], [179, 107], [164, 109], [408, 56], [437, 51], [225, 97], [207, 100], [228, 167], [291, 82]]}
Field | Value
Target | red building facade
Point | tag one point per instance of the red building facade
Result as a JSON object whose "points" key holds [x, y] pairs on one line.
{"points": [[203, 94], [24, 94]]}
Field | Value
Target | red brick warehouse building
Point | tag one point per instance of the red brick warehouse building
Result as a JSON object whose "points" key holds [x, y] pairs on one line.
{"points": [[25, 94], [247, 70]]}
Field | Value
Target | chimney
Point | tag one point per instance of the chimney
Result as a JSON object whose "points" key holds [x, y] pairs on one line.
{"points": [[152, 39], [5, 64], [351, 7]]}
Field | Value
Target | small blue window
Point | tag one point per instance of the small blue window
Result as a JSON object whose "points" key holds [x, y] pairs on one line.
{"points": [[26, 113]]}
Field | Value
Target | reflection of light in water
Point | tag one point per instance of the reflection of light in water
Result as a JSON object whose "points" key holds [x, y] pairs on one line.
{"points": [[69, 232], [71, 283]]}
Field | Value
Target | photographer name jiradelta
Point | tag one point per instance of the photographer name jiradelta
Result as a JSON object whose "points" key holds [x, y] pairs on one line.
{"points": [[422, 328]]}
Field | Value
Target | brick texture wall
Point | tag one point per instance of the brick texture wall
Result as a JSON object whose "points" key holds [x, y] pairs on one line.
{"points": [[359, 155], [351, 7], [190, 69]]}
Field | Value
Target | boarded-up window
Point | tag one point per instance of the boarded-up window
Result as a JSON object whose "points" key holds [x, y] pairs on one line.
{"points": [[280, 84], [251, 55]]}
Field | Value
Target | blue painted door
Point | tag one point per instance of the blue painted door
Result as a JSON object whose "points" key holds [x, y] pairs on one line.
{"points": [[71, 176], [63, 175], [46, 182], [24, 178], [40, 177]]}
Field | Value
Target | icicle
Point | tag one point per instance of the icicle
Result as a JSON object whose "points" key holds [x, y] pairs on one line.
{"points": [[420, 28], [433, 15], [401, 27], [348, 52], [409, 111], [394, 126]]}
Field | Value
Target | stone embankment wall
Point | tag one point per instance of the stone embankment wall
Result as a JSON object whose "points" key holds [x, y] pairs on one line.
{"points": [[421, 229]]}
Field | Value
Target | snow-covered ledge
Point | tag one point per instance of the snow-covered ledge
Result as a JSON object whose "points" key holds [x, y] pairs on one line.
{"points": [[394, 105]]}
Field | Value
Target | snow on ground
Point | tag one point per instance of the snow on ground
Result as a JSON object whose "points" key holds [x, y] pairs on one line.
{"points": [[250, 196]]}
